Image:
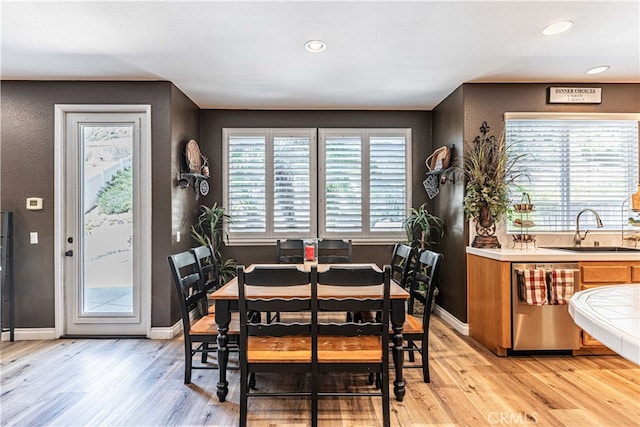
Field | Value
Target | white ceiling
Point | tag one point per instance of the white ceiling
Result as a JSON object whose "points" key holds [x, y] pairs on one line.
{"points": [[380, 55]]}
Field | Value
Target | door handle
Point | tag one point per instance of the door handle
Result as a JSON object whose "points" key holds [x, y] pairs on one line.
{"points": [[68, 253]]}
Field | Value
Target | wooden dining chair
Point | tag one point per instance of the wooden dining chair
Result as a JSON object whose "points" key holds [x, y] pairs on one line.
{"points": [[200, 335], [351, 347], [331, 251], [416, 327], [289, 251], [271, 347]]}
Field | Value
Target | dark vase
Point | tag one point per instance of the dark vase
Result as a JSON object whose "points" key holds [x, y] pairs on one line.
{"points": [[485, 230]]}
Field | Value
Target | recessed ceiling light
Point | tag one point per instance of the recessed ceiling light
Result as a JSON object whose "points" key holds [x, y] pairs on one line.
{"points": [[315, 46], [598, 70], [557, 28]]}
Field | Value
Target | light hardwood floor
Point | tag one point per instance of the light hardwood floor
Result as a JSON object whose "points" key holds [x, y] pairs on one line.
{"points": [[131, 382]]}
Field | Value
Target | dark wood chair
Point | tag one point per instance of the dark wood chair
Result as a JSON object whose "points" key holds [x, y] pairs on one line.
{"points": [[274, 347], [289, 251], [332, 251], [200, 335], [350, 347], [416, 327]]}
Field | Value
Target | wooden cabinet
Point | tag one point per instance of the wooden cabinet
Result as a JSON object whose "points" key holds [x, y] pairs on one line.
{"points": [[489, 302], [602, 273]]}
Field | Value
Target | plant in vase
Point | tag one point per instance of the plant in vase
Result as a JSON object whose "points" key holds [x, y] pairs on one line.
{"points": [[208, 230], [489, 170], [423, 229]]}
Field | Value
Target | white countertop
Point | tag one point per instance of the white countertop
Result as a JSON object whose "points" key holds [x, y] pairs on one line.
{"points": [[551, 255], [610, 314]]}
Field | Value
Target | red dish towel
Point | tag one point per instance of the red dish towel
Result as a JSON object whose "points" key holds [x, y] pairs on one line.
{"points": [[535, 286], [561, 286]]}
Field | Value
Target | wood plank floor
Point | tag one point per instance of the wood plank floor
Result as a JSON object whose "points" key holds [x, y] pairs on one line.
{"points": [[132, 382]]}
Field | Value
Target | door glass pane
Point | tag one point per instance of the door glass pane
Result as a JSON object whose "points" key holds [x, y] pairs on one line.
{"points": [[108, 219]]}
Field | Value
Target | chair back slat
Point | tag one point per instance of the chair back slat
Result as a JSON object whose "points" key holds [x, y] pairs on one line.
{"points": [[268, 276], [275, 275], [402, 261], [186, 278], [351, 276], [359, 276], [283, 305], [425, 281], [209, 274]]}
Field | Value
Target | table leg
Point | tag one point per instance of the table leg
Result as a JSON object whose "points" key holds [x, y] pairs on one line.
{"points": [[397, 321], [223, 317]]}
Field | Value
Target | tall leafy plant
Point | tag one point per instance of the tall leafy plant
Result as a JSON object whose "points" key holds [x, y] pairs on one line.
{"points": [[209, 230], [423, 229]]}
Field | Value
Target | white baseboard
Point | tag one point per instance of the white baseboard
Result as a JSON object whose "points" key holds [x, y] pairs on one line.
{"points": [[166, 333], [26, 334], [451, 320]]}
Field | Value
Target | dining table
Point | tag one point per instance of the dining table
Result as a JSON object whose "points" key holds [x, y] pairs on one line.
{"points": [[226, 299]]}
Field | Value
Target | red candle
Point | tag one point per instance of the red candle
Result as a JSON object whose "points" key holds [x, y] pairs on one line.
{"points": [[309, 254]]}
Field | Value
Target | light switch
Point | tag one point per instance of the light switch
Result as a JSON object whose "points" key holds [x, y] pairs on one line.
{"points": [[177, 236], [33, 237]]}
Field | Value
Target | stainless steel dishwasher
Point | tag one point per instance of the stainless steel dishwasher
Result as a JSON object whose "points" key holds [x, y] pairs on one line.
{"points": [[545, 327]]}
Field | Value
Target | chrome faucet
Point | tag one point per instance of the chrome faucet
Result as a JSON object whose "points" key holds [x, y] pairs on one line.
{"points": [[578, 238]]}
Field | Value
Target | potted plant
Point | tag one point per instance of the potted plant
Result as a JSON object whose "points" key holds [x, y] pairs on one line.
{"points": [[423, 229], [208, 230], [489, 170]]}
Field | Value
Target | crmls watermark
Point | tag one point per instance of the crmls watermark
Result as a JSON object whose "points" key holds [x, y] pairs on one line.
{"points": [[512, 418]]}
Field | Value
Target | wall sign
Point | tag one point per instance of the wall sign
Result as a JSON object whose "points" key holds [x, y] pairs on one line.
{"points": [[575, 95]]}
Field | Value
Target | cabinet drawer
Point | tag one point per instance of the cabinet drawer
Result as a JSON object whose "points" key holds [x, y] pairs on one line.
{"points": [[635, 273], [606, 274]]}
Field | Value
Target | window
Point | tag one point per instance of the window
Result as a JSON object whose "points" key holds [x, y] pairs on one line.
{"points": [[283, 183], [573, 162]]}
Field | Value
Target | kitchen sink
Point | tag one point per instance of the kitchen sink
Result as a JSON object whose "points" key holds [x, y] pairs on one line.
{"points": [[594, 248]]}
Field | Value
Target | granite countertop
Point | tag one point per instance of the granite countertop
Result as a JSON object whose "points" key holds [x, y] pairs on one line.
{"points": [[552, 255], [610, 314]]}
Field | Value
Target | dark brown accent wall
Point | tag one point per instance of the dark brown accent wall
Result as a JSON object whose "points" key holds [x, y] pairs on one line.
{"points": [[213, 121], [448, 129], [459, 117], [27, 169]]}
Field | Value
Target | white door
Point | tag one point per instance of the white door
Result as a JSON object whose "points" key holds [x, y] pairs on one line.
{"points": [[105, 271]]}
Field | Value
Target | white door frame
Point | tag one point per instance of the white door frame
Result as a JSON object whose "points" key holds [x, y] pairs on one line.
{"points": [[61, 111]]}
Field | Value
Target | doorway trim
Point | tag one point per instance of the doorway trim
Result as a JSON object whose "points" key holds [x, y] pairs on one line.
{"points": [[60, 113]]}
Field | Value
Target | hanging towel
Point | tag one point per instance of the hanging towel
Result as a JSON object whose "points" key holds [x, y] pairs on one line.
{"points": [[561, 286], [535, 286]]}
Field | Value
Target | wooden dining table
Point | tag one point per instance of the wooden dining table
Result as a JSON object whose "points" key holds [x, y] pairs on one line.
{"points": [[226, 301]]}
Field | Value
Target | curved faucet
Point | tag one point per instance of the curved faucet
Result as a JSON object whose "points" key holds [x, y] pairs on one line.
{"points": [[578, 238]]}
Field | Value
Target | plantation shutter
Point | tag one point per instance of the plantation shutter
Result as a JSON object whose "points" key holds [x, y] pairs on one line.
{"points": [[387, 182], [343, 183], [247, 183], [572, 163], [291, 183]]}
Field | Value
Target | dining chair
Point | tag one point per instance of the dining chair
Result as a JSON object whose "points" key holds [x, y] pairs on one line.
{"points": [[289, 251], [351, 347], [200, 335], [416, 327], [271, 347], [332, 251]]}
